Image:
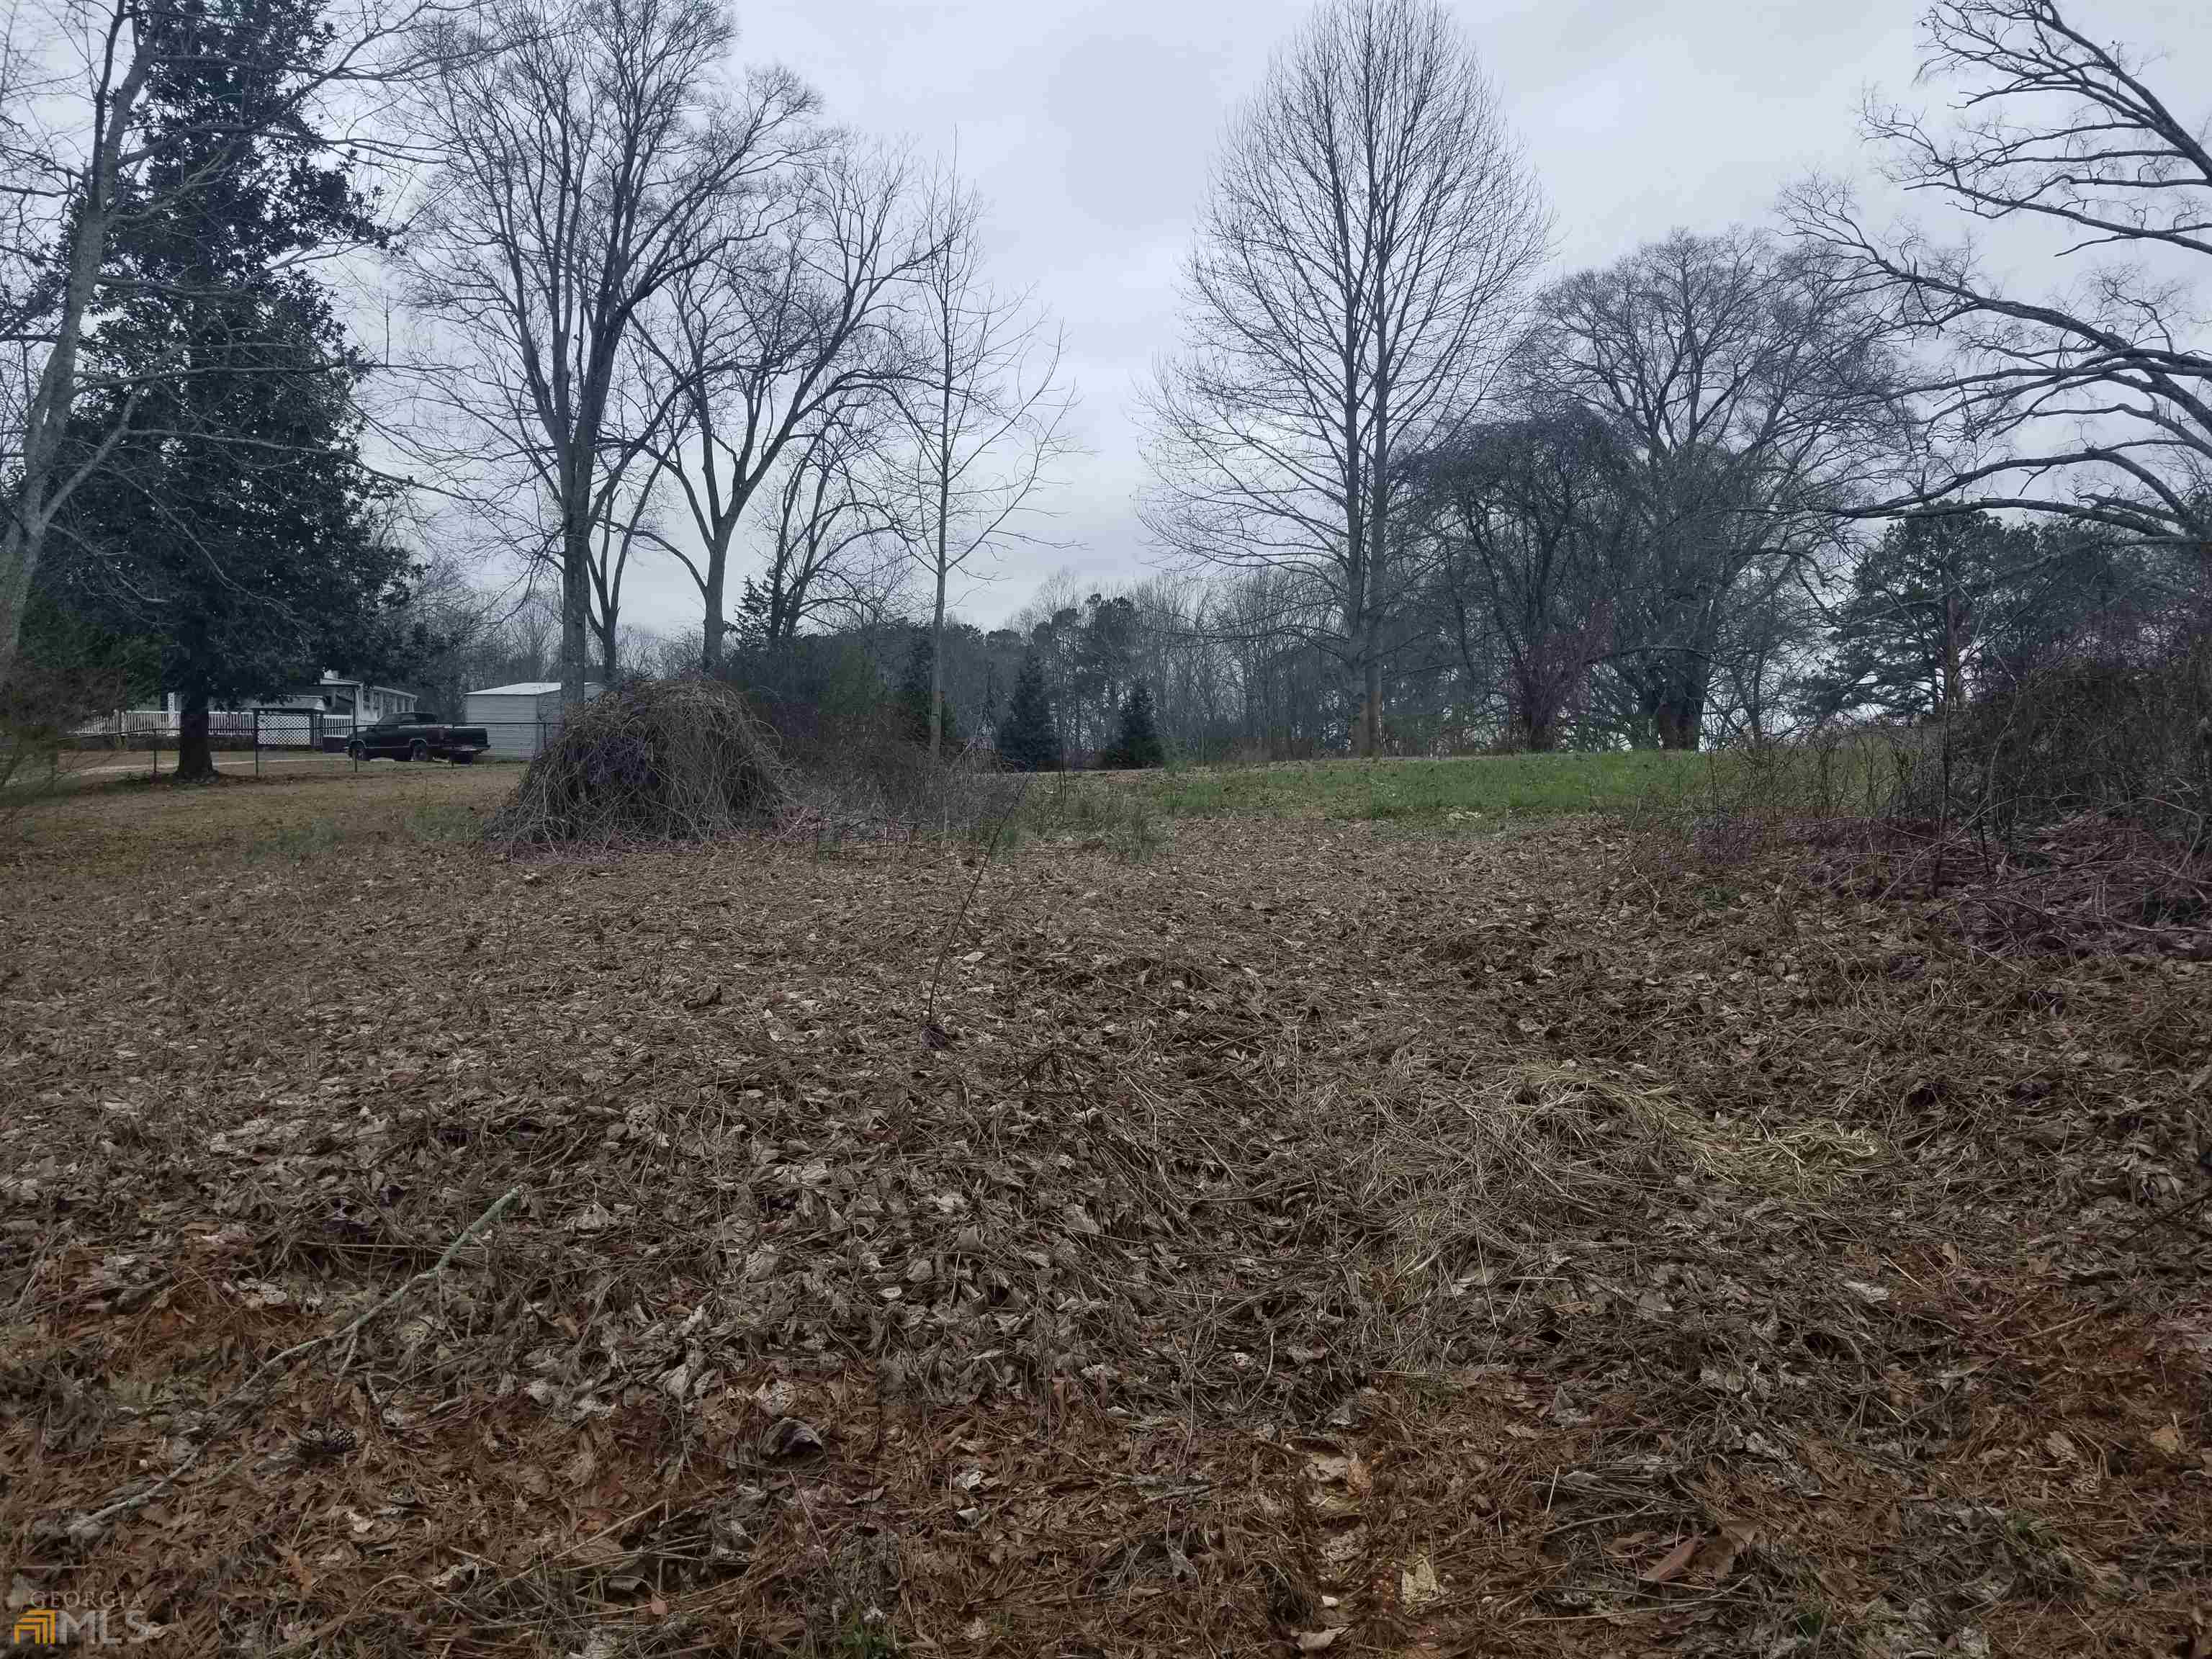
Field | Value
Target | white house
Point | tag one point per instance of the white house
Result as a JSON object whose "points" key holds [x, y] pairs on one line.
{"points": [[346, 704], [519, 719], [341, 703]]}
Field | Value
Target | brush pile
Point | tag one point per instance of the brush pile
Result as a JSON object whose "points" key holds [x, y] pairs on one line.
{"points": [[670, 760]]}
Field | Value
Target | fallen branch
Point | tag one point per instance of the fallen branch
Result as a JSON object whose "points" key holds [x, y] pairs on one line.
{"points": [[88, 1525]]}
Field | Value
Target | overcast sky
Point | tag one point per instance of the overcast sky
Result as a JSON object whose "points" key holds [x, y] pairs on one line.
{"points": [[1089, 126]]}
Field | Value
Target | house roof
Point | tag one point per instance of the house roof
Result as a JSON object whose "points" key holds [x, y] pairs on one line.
{"points": [[330, 678], [528, 688]]}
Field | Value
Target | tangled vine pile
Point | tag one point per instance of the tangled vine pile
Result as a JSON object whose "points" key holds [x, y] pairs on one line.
{"points": [[666, 760]]}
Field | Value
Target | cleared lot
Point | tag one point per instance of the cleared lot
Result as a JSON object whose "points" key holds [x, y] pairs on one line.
{"points": [[1505, 1244]]}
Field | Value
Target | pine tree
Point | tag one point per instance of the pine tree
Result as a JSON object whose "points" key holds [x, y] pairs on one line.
{"points": [[1029, 738], [1137, 743], [232, 522], [911, 700], [1907, 638]]}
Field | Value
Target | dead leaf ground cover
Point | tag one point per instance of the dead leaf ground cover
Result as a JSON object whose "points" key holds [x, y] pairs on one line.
{"points": [[1305, 1238]]}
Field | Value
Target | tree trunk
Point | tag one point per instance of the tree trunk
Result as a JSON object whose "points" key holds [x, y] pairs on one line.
{"points": [[1692, 713], [944, 548], [1954, 679], [1367, 736], [782, 614], [20, 545], [195, 753], [937, 669], [1681, 714], [1532, 716], [38, 494], [1378, 515], [710, 649], [576, 603]]}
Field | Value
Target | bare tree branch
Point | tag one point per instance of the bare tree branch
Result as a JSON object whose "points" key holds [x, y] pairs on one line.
{"points": [[2095, 400]]}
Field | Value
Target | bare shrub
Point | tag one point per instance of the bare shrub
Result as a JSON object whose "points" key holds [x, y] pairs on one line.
{"points": [[892, 792], [665, 760], [1747, 800], [887, 789], [2133, 743]]}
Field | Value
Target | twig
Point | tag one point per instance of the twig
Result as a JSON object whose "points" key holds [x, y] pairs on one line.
{"points": [[30, 1281], [2173, 1211], [937, 975], [86, 1525]]}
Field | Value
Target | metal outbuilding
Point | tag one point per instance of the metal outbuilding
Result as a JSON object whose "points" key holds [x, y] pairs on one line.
{"points": [[519, 719]]}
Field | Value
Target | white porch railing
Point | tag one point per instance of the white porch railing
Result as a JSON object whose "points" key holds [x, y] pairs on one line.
{"points": [[127, 723]]}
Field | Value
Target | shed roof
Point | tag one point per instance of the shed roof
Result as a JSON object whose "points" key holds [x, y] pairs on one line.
{"points": [[532, 689]]}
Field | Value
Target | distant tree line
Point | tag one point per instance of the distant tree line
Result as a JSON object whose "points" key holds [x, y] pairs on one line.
{"points": [[1662, 527], [1411, 490]]}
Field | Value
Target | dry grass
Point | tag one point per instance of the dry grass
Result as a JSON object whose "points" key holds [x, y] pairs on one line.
{"points": [[137, 828], [1462, 1246]]}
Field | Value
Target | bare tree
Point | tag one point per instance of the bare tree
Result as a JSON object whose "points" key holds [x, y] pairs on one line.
{"points": [[516, 503], [983, 413], [2095, 401], [1531, 524], [1360, 271], [598, 158], [832, 550], [780, 337], [79, 163], [1752, 388], [1770, 653], [630, 513]]}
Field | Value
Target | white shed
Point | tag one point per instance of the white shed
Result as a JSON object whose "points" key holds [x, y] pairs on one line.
{"points": [[519, 719]]}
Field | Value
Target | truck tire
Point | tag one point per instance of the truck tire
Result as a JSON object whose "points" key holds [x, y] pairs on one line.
{"points": [[418, 750], [465, 758]]}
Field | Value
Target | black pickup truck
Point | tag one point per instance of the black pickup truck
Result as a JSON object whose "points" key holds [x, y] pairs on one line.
{"points": [[420, 735]]}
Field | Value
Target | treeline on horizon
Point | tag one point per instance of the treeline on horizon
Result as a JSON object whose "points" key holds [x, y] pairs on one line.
{"points": [[1410, 490]]}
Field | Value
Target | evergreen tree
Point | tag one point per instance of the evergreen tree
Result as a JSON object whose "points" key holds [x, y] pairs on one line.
{"points": [[1029, 738], [1907, 639], [233, 522], [911, 700], [1137, 742]]}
